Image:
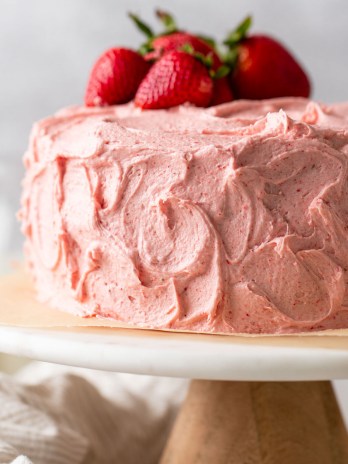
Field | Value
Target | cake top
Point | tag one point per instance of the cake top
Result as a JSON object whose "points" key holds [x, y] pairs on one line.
{"points": [[92, 131]]}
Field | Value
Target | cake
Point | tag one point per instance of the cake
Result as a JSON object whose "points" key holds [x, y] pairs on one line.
{"points": [[230, 219]]}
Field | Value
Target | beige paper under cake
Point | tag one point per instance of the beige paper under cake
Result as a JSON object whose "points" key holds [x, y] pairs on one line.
{"points": [[19, 308]]}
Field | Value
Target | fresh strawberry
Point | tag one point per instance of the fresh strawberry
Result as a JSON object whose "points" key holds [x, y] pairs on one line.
{"points": [[263, 68], [176, 41], [222, 92], [176, 78], [115, 77], [173, 39]]}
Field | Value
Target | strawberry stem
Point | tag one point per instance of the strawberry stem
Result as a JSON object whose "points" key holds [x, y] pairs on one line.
{"points": [[167, 20], [206, 60], [221, 72], [143, 27], [209, 40], [239, 33], [188, 48]]}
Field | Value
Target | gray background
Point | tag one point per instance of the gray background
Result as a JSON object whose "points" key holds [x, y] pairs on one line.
{"points": [[47, 47]]}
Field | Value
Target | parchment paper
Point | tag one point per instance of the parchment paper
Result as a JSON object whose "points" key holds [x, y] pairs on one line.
{"points": [[19, 308]]}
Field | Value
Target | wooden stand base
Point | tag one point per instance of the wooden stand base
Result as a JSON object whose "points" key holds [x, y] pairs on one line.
{"points": [[258, 423]]}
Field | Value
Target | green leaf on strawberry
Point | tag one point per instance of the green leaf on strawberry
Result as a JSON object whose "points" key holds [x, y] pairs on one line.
{"points": [[221, 72], [143, 27], [239, 33], [167, 20], [206, 60]]}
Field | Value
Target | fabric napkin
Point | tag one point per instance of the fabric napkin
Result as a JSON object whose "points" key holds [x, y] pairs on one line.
{"points": [[60, 415]]}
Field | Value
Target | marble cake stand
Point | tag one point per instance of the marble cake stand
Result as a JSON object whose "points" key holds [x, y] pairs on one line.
{"points": [[248, 409], [253, 401]]}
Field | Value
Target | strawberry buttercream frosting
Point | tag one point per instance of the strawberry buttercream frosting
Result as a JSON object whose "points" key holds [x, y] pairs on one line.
{"points": [[229, 219]]}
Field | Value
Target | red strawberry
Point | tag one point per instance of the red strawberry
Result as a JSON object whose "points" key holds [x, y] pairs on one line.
{"points": [[176, 78], [265, 69], [222, 92], [173, 39], [176, 41], [115, 77]]}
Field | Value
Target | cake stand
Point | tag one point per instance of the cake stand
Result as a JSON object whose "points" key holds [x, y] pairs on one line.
{"points": [[254, 399]]}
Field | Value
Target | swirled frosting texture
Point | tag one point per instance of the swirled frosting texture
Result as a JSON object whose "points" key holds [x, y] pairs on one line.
{"points": [[230, 219]]}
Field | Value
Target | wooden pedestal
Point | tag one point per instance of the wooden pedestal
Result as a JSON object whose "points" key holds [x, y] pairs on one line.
{"points": [[258, 423]]}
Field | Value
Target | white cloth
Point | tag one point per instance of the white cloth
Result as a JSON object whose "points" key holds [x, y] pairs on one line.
{"points": [[60, 415]]}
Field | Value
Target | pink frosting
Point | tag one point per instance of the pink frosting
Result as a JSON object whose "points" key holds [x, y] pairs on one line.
{"points": [[228, 219]]}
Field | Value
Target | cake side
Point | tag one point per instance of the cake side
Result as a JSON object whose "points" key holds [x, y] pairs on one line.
{"points": [[227, 219]]}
